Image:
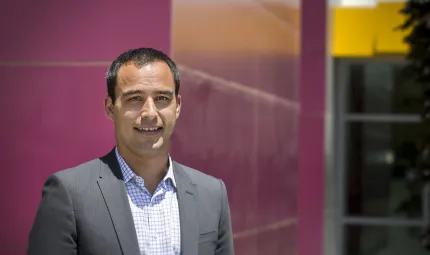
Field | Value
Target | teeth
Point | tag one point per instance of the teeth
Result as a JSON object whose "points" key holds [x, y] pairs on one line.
{"points": [[148, 129]]}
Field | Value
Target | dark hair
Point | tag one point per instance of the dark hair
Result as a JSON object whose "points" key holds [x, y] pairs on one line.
{"points": [[140, 57]]}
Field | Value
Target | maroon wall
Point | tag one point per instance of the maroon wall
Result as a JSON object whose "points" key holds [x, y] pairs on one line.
{"points": [[53, 59]]}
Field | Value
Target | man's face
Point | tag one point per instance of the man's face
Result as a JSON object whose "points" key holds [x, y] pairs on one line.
{"points": [[145, 109]]}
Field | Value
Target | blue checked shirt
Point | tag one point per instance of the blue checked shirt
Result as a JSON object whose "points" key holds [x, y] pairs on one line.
{"points": [[156, 217]]}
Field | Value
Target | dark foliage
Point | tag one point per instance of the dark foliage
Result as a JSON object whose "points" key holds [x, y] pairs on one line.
{"points": [[417, 13]]}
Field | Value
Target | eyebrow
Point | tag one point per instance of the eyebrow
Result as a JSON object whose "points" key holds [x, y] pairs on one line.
{"points": [[132, 92], [165, 92], [138, 91]]}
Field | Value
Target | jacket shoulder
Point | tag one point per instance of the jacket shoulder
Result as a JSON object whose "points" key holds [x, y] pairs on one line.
{"points": [[82, 170], [80, 175]]}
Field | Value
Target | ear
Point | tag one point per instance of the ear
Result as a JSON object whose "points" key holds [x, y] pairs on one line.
{"points": [[109, 108], [178, 106]]}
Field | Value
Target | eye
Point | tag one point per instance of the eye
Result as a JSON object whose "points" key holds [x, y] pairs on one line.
{"points": [[135, 99], [162, 98]]}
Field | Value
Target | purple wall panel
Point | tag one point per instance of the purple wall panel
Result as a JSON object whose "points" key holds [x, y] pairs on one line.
{"points": [[53, 115], [231, 133], [240, 113], [262, 72], [278, 241], [311, 122], [81, 30], [48, 126]]}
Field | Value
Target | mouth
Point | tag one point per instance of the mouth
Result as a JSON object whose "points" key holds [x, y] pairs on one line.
{"points": [[149, 131]]}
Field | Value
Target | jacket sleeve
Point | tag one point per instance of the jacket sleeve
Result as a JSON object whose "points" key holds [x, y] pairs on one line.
{"points": [[54, 229], [225, 232]]}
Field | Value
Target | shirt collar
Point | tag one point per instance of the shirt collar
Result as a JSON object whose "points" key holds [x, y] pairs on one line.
{"points": [[128, 174]]}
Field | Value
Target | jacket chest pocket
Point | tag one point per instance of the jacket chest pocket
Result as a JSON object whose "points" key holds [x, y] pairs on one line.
{"points": [[207, 243], [208, 237]]}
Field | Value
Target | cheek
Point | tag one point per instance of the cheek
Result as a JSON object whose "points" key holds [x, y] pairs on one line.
{"points": [[169, 117], [126, 119], [132, 112], [131, 115]]}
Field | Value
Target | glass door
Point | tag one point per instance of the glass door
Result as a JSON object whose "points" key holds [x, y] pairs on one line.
{"points": [[381, 203]]}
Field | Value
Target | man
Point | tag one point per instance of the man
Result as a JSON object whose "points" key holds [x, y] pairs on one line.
{"points": [[136, 199]]}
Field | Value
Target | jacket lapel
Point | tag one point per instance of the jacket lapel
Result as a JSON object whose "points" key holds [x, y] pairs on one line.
{"points": [[187, 211], [112, 186]]}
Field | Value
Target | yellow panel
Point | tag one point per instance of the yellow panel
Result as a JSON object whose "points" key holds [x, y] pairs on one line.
{"points": [[353, 32], [389, 40]]}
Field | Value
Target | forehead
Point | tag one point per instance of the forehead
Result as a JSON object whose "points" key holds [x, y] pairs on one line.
{"points": [[149, 75]]}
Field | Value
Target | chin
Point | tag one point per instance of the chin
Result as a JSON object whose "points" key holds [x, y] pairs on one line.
{"points": [[150, 148], [150, 152]]}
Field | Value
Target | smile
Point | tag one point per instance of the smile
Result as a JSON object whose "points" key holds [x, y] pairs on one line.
{"points": [[149, 129]]}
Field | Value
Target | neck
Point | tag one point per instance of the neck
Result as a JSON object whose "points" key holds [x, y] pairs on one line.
{"points": [[151, 168]]}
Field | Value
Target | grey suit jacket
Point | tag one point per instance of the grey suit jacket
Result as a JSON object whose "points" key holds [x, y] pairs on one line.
{"points": [[85, 210]]}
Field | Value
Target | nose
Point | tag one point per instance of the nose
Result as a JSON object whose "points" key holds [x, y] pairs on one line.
{"points": [[149, 110]]}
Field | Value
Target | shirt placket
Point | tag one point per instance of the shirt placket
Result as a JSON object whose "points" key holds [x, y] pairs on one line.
{"points": [[146, 197], [158, 216]]}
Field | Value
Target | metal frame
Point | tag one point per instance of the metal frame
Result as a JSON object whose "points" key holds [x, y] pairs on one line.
{"points": [[364, 60], [342, 82], [381, 221], [342, 118], [384, 118]]}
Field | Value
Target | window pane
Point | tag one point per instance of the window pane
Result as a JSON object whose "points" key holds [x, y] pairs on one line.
{"points": [[379, 88], [382, 240], [381, 172]]}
